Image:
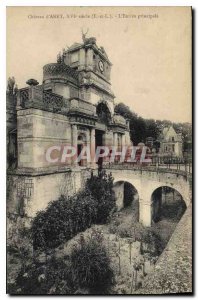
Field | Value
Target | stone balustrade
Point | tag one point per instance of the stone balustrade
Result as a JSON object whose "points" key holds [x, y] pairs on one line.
{"points": [[36, 97], [52, 101], [24, 96]]}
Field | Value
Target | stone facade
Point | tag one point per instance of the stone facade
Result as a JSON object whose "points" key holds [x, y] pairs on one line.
{"points": [[74, 106]]}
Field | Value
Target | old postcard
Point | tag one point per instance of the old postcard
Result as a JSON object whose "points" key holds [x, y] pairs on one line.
{"points": [[99, 150]]}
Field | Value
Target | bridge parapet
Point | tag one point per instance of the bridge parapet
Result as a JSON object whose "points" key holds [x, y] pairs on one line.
{"points": [[141, 168]]}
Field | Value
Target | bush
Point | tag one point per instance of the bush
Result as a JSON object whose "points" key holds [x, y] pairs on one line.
{"points": [[86, 270], [67, 216], [63, 219], [101, 188], [127, 229], [55, 277], [151, 244], [113, 226], [91, 264], [124, 230]]}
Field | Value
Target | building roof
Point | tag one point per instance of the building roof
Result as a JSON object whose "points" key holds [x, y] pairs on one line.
{"points": [[168, 133], [90, 42], [74, 46]]}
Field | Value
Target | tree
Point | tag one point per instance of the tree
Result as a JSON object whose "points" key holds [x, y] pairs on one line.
{"points": [[101, 188], [125, 111], [141, 128]]}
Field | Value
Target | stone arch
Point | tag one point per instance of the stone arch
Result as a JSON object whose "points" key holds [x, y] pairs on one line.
{"points": [[104, 112], [182, 188], [147, 182], [127, 196], [167, 202]]}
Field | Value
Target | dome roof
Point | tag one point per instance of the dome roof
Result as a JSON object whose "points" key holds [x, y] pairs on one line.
{"points": [[74, 46]]}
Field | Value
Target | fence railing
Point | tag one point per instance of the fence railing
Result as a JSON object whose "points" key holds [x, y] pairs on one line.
{"points": [[182, 169]]}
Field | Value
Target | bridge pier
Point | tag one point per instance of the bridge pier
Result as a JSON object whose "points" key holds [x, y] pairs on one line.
{"points": [[145, 212], [119, 194]]}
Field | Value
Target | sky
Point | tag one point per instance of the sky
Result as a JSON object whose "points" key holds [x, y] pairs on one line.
{"points": [[151, 57]]}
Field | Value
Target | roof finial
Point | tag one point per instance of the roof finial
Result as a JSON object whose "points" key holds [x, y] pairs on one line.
{"points": [[59, 58], [84, 35]]}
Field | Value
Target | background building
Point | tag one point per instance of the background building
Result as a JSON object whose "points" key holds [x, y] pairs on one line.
{"points": [[171, 142]]}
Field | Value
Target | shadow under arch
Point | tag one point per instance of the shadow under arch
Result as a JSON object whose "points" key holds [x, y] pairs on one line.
{"points": [[167, 204], [103, 112], [127, 197]]}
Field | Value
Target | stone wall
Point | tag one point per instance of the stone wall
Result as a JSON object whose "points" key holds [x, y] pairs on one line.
{"points": [[173, 270], [30, 194], [37, 131]]}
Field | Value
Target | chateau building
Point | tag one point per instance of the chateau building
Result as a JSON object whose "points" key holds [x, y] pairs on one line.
{"points": [[171, 142], [74, 105]]}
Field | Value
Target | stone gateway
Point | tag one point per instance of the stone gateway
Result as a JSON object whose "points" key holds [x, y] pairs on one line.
{"points": [[74, 106]]}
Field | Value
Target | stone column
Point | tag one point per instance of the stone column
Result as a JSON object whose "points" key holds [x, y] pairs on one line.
{"points": [[92, 146], [74, 141], [123, 140], [115, 144], [115, 139]]}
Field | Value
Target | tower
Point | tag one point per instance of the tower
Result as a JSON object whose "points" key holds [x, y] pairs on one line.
{"points": [[94, 69]]}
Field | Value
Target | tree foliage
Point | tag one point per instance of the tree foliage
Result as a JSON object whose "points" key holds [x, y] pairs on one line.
{"points": [[54, 277], [141, 128], [86, 270], [67, 216], [151, 243], [101, 188], [63, 219], [91, 264]]}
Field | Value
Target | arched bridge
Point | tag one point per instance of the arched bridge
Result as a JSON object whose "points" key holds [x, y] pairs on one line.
{"points": [[146, 180]]}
